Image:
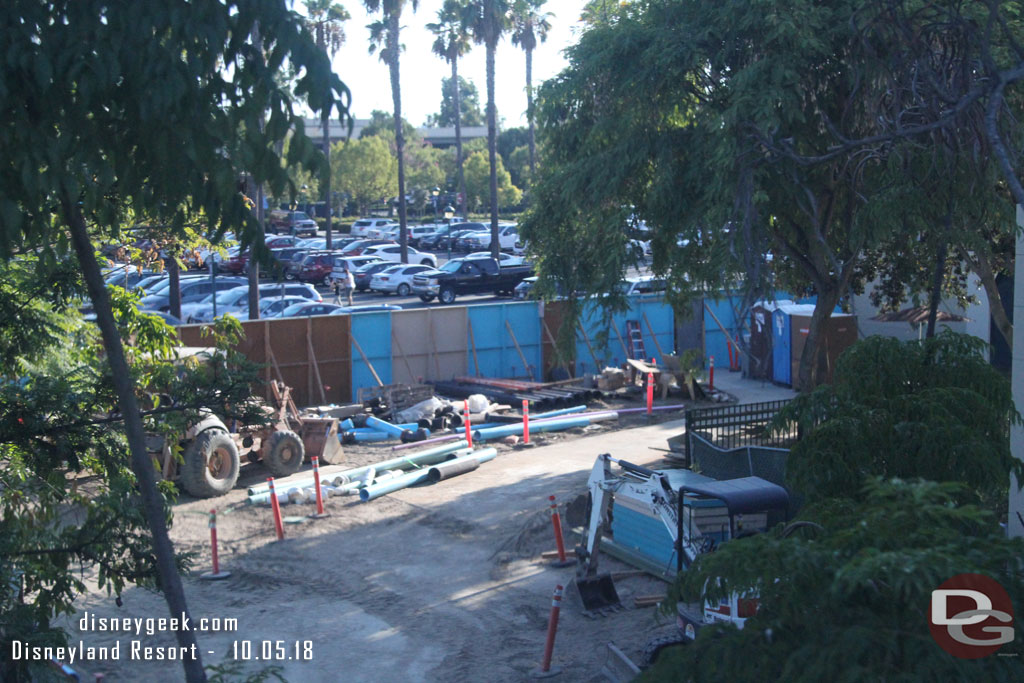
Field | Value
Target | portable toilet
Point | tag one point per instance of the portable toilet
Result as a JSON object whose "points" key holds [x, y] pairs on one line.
{"points": [[790, 327], [761, 360]]}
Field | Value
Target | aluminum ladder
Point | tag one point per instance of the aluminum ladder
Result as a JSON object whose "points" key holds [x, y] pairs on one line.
{"points": [[636, 340]]}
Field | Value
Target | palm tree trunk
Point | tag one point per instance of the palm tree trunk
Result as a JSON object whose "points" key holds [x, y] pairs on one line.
{"points": [[141, 463], [492, 146], [396, 95], [174, 287], [326, 180], [458, 138], [529, 113]]}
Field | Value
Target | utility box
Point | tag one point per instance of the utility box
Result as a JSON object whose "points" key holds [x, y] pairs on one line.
{"points": [[790, 326]]}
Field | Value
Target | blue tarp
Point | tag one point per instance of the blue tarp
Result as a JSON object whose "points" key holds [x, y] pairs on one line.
{"points": [[373, 332]]}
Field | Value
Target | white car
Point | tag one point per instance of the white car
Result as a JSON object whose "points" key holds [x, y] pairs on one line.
{"points": [[397, 279], [393, 252], [508, 235], [363, 226], [503, 259], [271, 307]]}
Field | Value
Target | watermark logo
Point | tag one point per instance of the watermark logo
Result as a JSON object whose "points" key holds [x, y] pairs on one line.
{"points": [[971, 616]]}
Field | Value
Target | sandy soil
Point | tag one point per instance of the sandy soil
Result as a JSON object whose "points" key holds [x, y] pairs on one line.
{"points": [[433, 583]]}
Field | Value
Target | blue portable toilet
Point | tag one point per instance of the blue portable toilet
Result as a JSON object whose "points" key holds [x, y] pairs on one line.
{"points": [[781, 344]]}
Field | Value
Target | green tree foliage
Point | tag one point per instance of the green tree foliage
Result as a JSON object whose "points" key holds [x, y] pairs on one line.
{"points": [[383, 123], [366, 170], [426, 169], [116, 106], [469, 105], [510, 139], [850, 603], [936, 410], [519, 166], [68, 503], [478, 184]]}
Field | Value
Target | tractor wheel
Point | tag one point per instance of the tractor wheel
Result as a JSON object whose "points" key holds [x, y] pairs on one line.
{"points": [[211, 464], [657, 646], [403, 289], [283, 453]]}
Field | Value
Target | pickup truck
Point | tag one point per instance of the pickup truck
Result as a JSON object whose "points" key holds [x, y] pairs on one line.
{"points": [[468, 276]]}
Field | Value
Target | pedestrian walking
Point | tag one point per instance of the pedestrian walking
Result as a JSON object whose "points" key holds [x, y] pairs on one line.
{"points": [[344, 285]]}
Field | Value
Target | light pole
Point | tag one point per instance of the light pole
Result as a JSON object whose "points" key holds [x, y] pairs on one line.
{"points": [[434, 193], [448, 213]]}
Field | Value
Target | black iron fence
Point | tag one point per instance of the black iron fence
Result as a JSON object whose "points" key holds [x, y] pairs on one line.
{"points": [[737, 426]]}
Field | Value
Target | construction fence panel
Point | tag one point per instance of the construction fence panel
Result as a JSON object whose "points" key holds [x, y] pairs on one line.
{"points": [[725, 308], [371, 334], [602, 339], [496, 331], [428, 344]]}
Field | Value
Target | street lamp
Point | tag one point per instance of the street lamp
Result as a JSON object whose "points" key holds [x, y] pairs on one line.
{"points": [[434, 193], [448, 213]]}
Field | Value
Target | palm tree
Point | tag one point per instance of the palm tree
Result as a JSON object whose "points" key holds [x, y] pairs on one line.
{"points": [[530, 25], [452, 42], [487, 20], [384, 37], [324, 20]]}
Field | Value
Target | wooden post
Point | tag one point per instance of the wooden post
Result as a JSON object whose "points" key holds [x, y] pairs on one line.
{"points": [[650, 329], [313, 361], [722, 327], [366, 360], [625, 349], [267, 355], [472, 342], [519, 350], [554, 347], [597, 363], [433, 344], [405, 359]]}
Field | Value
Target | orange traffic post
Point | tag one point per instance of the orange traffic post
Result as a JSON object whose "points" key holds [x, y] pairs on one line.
{"points": [[319, 492], [276, 506], [556, 524], [526, 421], [650, 394], [549, 644], [216, 573], [711, 374], [469, 429]]}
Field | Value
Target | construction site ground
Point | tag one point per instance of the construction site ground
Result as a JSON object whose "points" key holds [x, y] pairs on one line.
{"points": [[443, 582]]}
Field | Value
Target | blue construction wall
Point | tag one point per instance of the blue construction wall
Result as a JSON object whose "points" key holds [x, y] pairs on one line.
{"points": [[495, 349], [606, 344], [373, 332]]}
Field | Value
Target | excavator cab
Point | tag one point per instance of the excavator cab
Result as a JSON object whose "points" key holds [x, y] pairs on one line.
{"points": [[696, 513]]}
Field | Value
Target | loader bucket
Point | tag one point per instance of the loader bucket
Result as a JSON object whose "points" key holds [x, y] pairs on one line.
{"points": [[320, 437], [597, 592]]}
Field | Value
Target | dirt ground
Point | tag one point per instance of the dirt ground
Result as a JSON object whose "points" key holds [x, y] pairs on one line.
{"points": [[434, 583]]}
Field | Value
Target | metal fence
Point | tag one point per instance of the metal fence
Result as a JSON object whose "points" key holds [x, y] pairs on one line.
{"points": [[737, 426]]}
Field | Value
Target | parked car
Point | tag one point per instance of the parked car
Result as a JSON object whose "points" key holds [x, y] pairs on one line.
{"points": [[293, 222], [363, 226], [317, 266], [508, 235], [393, 252], [363, 273], [313, 243], [397, 279], [442, 240], [356, 248], [270, 307], [354, 263], [643, 285], [418, 232], [468, 276], [366, 308], [127, 277], [192, 289], [282, 242], [308, 309], [503, 258], [525, 288], [233, 301]]}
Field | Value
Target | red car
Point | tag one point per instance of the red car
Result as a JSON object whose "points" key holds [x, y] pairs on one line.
{"points": [[317, 268], [281, 242], [236, 265], [356, 248]]}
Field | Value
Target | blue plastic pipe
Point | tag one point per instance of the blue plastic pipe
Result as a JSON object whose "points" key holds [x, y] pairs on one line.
{"points": [[556, 413], [549, 425], [377, 490], [424, 457], [385, 427], [370, 436]]}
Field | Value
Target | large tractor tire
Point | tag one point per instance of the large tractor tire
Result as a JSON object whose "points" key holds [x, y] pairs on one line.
{"points": [[211, 464], [283, 453], [656, 647]]}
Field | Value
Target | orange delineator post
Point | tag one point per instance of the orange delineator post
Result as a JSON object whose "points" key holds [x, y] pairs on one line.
{"points": [[526, 421], [549, 644], [650, 393], [469, 430], [316, 482], [278, 523], [711, 374], [556, 523]]}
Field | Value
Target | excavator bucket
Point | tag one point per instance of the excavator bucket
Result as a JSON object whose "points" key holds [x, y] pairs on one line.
{"points": [[597, 592], [320, 437]]}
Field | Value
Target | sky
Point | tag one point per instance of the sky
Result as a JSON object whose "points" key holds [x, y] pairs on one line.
{"points": [[421, 70]]}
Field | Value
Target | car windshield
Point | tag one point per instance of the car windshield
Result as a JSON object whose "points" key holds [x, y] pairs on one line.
{"points": [[299, 216], [230, 296], [452, 266]]}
